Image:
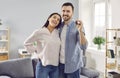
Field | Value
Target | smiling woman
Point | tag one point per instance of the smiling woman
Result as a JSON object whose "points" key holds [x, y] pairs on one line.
{"points": [[47, 43]]}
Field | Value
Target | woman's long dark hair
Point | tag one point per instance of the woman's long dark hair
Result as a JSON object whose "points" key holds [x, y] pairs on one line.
{"points": [[47, 22]]}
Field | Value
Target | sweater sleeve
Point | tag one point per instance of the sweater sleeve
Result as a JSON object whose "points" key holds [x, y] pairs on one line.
{"points": [[83, 47], [29, 42]]}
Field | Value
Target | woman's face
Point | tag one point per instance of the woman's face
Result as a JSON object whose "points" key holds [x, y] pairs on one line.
{"points": [[54, 20]]}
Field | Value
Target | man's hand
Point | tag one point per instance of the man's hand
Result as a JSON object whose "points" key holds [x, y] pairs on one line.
{"points": [[79, 25]]}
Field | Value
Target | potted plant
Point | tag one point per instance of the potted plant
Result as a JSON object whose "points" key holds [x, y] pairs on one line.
{"points": [[99, 40]]}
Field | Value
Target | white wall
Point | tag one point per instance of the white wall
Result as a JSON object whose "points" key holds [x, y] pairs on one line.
{"points": [[115, 13], [85, 15], [24, 16]]}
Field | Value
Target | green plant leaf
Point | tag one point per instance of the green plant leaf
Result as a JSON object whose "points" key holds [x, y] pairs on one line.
{"points": [[98, 40]]}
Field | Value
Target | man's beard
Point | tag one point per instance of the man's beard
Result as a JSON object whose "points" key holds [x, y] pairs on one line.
{"points": [[66, 17]]}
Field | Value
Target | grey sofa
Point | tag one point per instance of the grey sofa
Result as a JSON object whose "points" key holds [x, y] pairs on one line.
{"points": [[25, 68], [17, 68], [87, 73]]}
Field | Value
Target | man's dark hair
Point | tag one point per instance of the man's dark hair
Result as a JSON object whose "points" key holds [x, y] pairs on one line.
{"points": [[68, 4]]}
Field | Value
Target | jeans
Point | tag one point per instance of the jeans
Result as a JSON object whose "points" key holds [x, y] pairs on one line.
{"points": [[75, 74], [48, 71]]}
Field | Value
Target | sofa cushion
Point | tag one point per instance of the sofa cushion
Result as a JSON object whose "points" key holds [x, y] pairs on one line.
{"points": [[89, 72], [17, 68]]}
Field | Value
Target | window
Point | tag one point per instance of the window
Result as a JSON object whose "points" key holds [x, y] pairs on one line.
{"points": [[101, 17], [99, 14]]}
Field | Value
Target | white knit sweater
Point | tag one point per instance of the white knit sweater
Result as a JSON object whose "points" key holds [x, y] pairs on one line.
{"points": [[48, 45]]}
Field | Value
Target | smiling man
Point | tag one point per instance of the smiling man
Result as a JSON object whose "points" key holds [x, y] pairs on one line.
{"points": [[73, 41]]}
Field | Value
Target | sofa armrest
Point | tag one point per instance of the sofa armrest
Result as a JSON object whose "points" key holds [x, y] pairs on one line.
{"points": [[90, 73]]}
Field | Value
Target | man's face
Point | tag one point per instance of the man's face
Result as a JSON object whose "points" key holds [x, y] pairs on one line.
{"points": [[67, 13]]}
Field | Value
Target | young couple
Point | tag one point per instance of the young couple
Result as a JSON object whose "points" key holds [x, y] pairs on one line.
{"points": [[59, 44]]}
